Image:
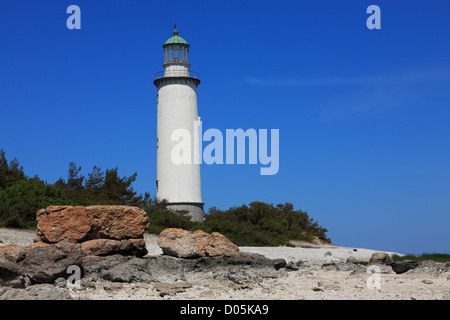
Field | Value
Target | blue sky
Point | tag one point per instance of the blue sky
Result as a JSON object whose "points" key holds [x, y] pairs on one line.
{"points": [[363, 114]]}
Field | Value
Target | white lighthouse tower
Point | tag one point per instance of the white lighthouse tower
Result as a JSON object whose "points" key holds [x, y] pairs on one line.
{"points": [[180, 183]]}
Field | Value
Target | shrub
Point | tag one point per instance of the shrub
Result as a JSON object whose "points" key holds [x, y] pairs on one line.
{"points": [[262, 224]]}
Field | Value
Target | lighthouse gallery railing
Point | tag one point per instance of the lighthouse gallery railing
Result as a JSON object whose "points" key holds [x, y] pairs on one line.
{"points": [[177, 73]]}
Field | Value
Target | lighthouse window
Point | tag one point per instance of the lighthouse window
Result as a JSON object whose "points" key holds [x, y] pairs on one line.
{"points": [[176, 53]]}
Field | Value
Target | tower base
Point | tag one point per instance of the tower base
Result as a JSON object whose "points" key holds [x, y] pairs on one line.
{"points": [[195, 209]]}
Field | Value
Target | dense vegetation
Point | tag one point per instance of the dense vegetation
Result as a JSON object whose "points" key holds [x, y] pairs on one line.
{"points": [[259, 224], [436, 257]]}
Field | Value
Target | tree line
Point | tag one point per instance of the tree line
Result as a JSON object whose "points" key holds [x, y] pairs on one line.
{"points": [[258, 224]]}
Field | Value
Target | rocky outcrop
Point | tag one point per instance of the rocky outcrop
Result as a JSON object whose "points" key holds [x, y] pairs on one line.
{"points": [[78, 224], [66, 235], [39, 263], [189, 245], [101, 230], [106, 247]]}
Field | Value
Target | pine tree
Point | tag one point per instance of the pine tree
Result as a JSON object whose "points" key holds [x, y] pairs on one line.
{"points": [[96, 179], [74, 179]]}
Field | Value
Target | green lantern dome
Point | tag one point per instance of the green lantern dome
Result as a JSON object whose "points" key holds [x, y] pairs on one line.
{"points": [[176, 39]]}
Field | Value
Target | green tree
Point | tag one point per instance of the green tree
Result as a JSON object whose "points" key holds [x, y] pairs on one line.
{"points": [[20, 202], [74, 178], [10, 173], [96, 179]]}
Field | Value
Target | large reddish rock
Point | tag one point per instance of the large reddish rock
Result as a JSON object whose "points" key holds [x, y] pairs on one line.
{"points": [[185, 244], [78, 224], [62, 223], [117, 222]]}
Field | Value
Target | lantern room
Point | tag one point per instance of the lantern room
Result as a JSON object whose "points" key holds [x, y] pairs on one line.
{"points": [[176, 50]]}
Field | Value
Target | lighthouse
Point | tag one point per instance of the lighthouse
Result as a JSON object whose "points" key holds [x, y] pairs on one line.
{"points": [[178, 183]]}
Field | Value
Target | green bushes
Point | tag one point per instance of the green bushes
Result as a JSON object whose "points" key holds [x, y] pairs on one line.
{"points": [[436, 257], [19, 202], [262, 224]]}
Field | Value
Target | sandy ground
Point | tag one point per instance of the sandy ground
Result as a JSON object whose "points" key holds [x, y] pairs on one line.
{"points": [[312, 281]]}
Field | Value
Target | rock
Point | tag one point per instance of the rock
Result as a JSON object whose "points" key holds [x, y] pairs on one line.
{"points": [[291, 266], [117, 222], [104, 247], [279, 263], [400, 267], [300, 263], [328, 253], [44, 264], [188, 245], [117, 268], [36, 292], [63, 223], [171, 288], [77, 224], [349, 266], [426, 281], [351, 259], [428, 267], [38, 263], [380, 258], [241, 276], [13, 252]]}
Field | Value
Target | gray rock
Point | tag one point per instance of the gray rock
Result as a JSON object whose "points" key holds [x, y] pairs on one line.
{"points": [[291, 266], [127, 272], [47, 263], [400, 267], [346, 266], [117, 268], [165, 289], [428, 267], [300, 263], [35, 292], [41, 264], [279, 263]]}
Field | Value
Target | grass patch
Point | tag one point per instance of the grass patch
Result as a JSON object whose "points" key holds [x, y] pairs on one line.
{"points": [[328, 264], [436, 257]]}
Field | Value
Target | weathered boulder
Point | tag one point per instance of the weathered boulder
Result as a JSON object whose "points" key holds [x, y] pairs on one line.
{"points": [[117, 268], [279, 263], [185, 244], [102, 230], [62, 223], [104, 247], [44, 264], [78, 224], [117, 222], [40, 263], [380, 258]]}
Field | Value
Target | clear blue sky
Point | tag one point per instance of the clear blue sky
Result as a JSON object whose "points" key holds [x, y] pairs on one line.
{"points": [[364, 115]]}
